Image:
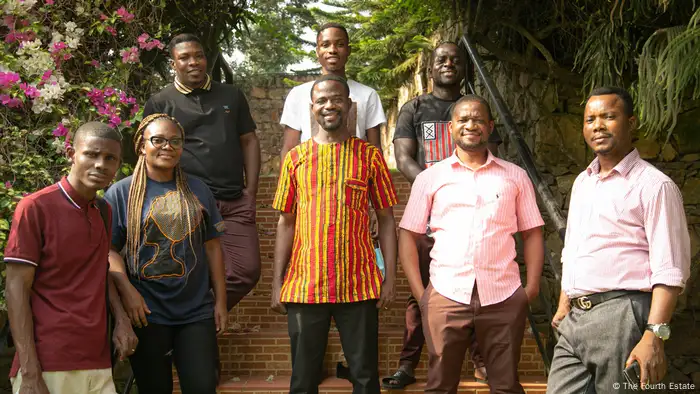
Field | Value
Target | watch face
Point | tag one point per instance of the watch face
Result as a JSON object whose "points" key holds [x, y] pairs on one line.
{"points": [[664, 332]]}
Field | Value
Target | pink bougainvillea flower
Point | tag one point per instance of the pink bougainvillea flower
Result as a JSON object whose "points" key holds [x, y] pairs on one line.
{"points": [[125, 15], [142, 39], [130, 55], [60, 130], [134, 110], [49, 2], [10, 102], [8, 185], [95, 63], [67, 56], [103, 17], [115, 120], [111, 30], [29, 90], [127, 123], [8, 21], [8, 79], [58, 47], [109, 92]]}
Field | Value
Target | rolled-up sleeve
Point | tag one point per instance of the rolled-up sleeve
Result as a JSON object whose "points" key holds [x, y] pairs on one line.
{"points": [[668, 237], [420, 203]]}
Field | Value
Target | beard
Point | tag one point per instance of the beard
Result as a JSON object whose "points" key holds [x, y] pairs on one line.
{"points": [[466, 146], [331, 126]]}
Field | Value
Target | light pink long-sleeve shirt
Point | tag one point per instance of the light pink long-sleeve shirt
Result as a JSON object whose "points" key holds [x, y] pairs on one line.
{"points": [[473, 216], [625, 231]]}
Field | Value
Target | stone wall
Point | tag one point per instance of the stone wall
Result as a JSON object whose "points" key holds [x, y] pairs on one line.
{"points": [[549, 116]]}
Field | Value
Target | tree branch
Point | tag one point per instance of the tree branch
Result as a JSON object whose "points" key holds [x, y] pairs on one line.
{"points": [[533, 65], [534, 41]]}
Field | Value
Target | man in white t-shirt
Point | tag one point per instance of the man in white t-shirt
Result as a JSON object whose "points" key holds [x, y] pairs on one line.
{"points": [[366, 115]]}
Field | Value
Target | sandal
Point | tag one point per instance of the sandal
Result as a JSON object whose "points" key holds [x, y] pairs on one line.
{"points": [[398, 380], [485, 380]]}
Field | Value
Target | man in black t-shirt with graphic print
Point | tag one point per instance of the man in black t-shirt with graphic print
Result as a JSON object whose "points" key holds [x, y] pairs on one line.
{"points": [[421, 139]]}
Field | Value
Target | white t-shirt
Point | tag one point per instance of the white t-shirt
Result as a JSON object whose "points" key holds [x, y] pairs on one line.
{"points": [[366, 111]]}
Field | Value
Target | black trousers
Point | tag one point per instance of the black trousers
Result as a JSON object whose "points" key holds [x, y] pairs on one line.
{"points": [[358, 326], [192, 347]]}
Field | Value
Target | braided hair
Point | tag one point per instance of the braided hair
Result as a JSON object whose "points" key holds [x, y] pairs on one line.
{"points": [[190, 207]]}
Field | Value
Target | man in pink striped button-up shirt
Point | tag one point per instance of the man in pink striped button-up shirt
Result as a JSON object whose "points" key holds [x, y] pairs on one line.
{"points": [[476, 203], [625, 259]]}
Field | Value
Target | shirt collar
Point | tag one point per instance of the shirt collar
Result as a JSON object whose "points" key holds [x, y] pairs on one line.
{"points": [[72, 195], [182, 88], [623, 167], [490, 158]]}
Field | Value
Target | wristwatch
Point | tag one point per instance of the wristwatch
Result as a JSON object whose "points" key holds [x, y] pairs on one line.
{"points": [[662, 330]]}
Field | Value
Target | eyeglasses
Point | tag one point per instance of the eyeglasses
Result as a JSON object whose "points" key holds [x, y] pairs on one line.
{"points": [[160, 142]]}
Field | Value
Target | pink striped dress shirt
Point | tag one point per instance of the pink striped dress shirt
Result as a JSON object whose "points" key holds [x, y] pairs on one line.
{"points": [[473, 216], [625, 231]]}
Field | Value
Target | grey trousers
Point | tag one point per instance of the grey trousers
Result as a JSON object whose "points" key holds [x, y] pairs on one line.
{"points": [[595, 344]]}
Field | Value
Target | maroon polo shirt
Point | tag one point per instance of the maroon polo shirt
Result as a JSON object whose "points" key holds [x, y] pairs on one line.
{"points": [[62, 234]]}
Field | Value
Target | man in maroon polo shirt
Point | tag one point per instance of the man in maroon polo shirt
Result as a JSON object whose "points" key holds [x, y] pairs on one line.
{"points": [[57, 265]]}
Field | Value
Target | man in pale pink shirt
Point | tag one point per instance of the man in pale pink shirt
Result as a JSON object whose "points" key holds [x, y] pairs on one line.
{"points": [[625, 260], [476, 203]]}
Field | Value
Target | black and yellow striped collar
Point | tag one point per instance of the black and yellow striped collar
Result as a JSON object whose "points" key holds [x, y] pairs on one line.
{"points": [[182, 88]]}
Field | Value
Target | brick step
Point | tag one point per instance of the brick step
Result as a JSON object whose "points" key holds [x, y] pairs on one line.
{"points": [[532, 385], [253, 313], [267, 353]]}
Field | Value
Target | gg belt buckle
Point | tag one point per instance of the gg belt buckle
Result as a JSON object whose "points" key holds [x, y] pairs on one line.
{"points": [[584, 303]]}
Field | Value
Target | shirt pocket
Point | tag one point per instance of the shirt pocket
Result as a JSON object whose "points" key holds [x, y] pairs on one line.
{"points": [[356, 193], [499, 202]]}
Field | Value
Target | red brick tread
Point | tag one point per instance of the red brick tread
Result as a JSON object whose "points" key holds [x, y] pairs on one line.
{"points": [[280, 384]]}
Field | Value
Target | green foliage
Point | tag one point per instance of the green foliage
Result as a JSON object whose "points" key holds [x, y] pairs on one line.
{"points": [[73, 61], [387, 38], [650, 46], [669, 71], [273, 41]]}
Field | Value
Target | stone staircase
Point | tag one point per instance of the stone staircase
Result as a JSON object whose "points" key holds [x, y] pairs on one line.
{"points": [[255, 352]]}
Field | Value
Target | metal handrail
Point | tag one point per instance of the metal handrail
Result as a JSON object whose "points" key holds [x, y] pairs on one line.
{"points": [[541, 187]]}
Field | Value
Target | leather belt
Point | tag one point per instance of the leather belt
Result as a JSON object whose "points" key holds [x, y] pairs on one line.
{"points": [[589, 301]]}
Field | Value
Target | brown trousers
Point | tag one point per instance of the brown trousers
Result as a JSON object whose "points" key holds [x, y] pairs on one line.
{"points": [[241, 247], [499, 329], [413, 338]]}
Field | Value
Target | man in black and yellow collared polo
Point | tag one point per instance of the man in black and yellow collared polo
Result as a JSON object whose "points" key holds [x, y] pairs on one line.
{"points": [[220, 148]]}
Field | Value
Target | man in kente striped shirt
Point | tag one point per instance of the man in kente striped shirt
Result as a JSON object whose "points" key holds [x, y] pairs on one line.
{"points": [[324, 258]]}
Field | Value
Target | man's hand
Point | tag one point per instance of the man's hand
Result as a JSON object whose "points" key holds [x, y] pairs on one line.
{"points": [[33, 384], [135, 306], [125, 340], [649, 353], [532, 291], [221, 316], [388, 294], [277, 305], [562, 311]]}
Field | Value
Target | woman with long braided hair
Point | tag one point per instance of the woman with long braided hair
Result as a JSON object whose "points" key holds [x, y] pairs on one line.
{"points": [[167, 227]]}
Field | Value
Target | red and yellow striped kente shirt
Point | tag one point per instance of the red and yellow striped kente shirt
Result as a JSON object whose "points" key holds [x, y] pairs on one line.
{"points": [[329, 187]]}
